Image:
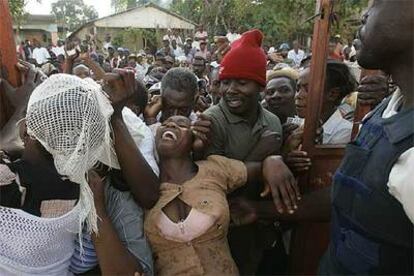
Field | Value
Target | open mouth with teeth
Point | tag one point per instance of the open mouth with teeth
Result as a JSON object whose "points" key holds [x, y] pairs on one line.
{"points": [[169, 136], [234, 102]]}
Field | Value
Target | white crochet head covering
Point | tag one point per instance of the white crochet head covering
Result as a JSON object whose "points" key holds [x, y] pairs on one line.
{"points": [[70, 117]]}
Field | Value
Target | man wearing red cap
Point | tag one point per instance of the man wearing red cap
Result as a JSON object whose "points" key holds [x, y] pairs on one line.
{"points": [[243, 130]]}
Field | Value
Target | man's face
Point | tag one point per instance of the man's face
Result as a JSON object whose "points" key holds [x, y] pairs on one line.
{"points": [[176, 103], [202, 46], [214, 88], [280, 95], [132, 63], [59, 43], [199, 67], [174, 44], [302, 92], [240, 95], [386, 32], [166, 43], [111, 51]]}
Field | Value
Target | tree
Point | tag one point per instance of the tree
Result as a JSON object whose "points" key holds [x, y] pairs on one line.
{"points": [[71, 14], [122, 5], [280, 20]]}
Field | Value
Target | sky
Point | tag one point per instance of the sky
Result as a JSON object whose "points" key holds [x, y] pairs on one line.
{"points": [[103, 7]]}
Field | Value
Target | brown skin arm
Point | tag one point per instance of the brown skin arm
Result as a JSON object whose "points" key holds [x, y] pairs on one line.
{"points": [[113, 257], [278, 181], [144, 184], [313, 207], [95, 68]]}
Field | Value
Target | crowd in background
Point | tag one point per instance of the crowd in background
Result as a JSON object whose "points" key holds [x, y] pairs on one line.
{"points": [[184, 160]]}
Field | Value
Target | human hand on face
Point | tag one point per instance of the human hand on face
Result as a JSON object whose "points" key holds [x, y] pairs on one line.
{"points": [[201, 129], [372, 89], [153, 107], [242, 211], [279, 181], [120, 86]]}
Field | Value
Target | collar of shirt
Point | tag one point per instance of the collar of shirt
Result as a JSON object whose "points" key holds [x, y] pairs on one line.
{"points": [[235, 119]]}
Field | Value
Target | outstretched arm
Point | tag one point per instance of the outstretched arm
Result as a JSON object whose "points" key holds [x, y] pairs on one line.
{"points": [[144, 184]]}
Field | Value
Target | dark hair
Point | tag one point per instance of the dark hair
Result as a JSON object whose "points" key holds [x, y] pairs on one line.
{"points": [[180, 79], [339, 75]]}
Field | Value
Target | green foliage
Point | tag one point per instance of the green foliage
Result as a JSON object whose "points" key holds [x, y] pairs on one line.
{"points": [[122, 5], [280, 20], [71, 14]]}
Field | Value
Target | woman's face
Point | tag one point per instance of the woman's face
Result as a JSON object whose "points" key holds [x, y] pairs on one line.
{"points": [[174, 137], [302, 92]]}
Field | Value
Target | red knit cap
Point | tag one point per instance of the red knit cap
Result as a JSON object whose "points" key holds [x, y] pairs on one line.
{"points": [[246, 59]]}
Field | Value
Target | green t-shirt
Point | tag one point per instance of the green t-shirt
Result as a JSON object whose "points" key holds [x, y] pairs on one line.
{"points": [[233, 136]]}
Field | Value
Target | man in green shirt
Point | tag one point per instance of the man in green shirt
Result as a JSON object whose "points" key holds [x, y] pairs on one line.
{"points": [[243, 130]]}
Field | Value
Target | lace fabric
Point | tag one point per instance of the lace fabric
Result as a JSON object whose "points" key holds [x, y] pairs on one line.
{"points": [[34, 245]]}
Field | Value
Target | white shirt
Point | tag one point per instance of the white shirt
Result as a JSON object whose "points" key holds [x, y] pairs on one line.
{"points": [[296, 57], [41, 55], [58, 50], [337, 130], [140, 71], [232, 36], [178, 52], [401, 178], [142, 136]]}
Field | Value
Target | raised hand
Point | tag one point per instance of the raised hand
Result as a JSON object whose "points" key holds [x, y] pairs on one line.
{"points": [[120, 87]]}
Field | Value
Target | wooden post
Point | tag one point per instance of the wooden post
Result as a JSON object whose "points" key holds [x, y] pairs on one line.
{"points": [[8, 59], [310, 240]]}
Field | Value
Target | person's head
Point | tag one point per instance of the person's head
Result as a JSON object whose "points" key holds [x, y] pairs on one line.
{"points": [[214, 86], [132, 61], [174, 44], [337, 39], [284, 50], [166, 43], [280, 93], [339, 83], [199, 66], [111, 51], [169, 32], [159, 59], [60, 43], [81, 71], [108, 38], [70, 118], [120, 52], [243, 74], [179, 89], [169, 62], [189, 41], [200, 28], [174, 138], [386, 34], [296, 45], [203, 45], [331, 46]]}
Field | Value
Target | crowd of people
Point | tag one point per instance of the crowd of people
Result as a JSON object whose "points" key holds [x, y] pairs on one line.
{"points": [[184, 161]]}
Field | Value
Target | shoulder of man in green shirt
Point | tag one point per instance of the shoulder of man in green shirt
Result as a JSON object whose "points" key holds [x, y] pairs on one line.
{"points": [[231, 134]]}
